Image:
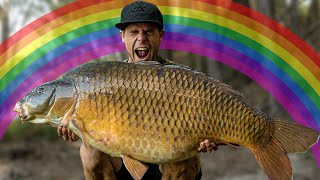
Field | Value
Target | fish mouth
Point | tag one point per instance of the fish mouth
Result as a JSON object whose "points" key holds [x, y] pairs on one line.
{"points": [[22, 112], [26, 117], [142, 52]]}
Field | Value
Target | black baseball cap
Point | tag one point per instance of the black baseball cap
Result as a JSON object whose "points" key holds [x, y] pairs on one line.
{"points": [[140, 11]]}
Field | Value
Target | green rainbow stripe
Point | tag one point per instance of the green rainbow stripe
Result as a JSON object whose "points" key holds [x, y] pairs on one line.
{"points": [[253, 44]]}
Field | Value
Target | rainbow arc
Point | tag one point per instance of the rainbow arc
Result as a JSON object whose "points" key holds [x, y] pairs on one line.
{"points": [[224, 31]]}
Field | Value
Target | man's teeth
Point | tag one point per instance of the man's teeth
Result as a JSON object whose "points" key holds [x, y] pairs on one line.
{"points": [[142, 52], [142, 49]]}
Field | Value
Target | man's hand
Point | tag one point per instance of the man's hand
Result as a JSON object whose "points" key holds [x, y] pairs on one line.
{"points": [[67, 134], [207, 146]]}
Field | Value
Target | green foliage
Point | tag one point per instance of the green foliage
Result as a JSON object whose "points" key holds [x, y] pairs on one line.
{"points": [[304, 10], [26, 131]]}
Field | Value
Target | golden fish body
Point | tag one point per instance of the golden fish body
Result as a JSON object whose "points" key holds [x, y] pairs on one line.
{"points": [[159, 114]]}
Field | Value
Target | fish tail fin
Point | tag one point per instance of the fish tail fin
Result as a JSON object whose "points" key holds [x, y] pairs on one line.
{"points": [[294, 137], [288, 137]]}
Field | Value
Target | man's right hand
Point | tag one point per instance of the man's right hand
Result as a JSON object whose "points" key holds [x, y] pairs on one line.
{"points": [[207, 146], [67, 134]]}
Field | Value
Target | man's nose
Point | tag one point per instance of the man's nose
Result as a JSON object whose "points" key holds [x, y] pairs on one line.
{"points": [[142, 37]]}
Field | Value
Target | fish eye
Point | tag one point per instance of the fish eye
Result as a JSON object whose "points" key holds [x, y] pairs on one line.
{"points": [[40, 90]]}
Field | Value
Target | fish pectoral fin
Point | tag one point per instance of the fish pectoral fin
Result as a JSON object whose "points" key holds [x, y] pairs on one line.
{"points": [[68, 116], [77, 127], [135, 167]]}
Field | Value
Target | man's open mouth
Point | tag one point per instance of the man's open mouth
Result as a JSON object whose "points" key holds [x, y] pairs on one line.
{"points": [[142, 52]]}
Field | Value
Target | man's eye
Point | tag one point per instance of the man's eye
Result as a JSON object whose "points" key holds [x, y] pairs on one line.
{"points": [[149, 31], [133, 32]]}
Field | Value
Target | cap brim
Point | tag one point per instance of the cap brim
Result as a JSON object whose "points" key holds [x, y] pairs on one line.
{"points": [[125, 24]]}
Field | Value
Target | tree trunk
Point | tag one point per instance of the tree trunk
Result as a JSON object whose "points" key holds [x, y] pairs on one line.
{"points": [[4, 18], [243, 2]]}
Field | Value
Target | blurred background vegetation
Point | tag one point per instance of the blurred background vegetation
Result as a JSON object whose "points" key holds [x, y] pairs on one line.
{"points": [[300, 16]]}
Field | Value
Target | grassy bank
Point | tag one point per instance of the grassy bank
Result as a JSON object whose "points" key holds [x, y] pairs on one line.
{"points": [[26, 131]]}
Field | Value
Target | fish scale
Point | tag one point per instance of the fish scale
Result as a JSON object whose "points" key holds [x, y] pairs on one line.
{"points": [[159, 114]]}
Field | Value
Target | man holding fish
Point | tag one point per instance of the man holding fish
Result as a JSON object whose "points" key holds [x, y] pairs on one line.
{"points": [[141, 30]]}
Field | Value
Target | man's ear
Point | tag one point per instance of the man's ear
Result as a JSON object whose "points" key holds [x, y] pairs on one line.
{"points": [[161, 34], [122, 36]]}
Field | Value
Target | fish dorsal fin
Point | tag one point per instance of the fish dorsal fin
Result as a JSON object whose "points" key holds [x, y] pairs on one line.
{"points": [[135, 168], [149, 62], [231, 90]]}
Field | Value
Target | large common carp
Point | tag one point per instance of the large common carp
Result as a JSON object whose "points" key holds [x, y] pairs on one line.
{"points": [[147, 112]]}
